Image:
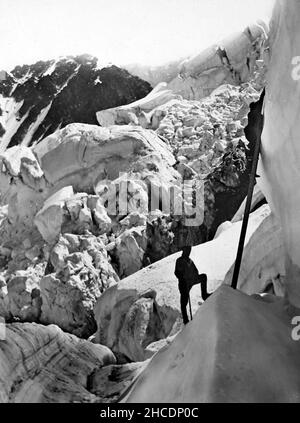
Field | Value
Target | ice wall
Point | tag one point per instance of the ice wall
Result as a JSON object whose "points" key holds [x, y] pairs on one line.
{"points": [[280, 162]]}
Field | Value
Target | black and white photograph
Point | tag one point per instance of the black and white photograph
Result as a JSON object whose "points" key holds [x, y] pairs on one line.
{"points": [[149, 205]]}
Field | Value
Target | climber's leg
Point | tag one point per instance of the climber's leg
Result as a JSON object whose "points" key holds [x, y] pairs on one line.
{"points": [[203, 282], [184, 299]]}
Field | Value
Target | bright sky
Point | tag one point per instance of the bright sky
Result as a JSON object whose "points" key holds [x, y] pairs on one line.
{"points": [[119, 31]]}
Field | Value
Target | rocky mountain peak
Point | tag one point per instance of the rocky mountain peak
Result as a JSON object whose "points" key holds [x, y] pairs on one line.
{"points": [[38, 99]]}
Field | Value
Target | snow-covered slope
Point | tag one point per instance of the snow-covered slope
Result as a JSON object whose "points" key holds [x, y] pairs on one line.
{"points": [[237, 349]]}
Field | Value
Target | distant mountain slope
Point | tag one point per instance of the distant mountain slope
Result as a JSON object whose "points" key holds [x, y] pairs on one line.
{"points": [[36, 100]]}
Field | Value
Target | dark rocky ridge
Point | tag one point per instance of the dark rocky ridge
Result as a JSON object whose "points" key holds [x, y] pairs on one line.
{"points": [[73, 88]]}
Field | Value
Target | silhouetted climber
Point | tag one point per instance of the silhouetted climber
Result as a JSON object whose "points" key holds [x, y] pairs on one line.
{"points": [[187, 274], [255, 125]]}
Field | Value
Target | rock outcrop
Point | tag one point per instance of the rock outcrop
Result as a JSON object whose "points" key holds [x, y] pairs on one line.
{"points": [[38, 99], [43, 364]]}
